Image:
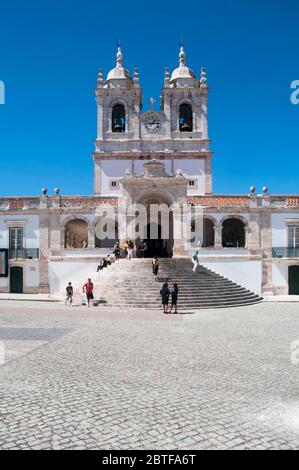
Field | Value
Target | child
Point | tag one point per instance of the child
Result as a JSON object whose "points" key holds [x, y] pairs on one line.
{"points": [[69, 294]]}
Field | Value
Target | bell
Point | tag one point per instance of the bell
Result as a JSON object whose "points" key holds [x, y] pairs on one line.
{"points": [[119, 128], [186, 127]]}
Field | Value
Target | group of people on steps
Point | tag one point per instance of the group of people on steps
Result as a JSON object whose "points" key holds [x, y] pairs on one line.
{"points": [[165, 292]]}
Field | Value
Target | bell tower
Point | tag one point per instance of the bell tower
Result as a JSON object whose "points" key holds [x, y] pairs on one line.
{"points": [[118, 104], [177, 134], [184, 101]]}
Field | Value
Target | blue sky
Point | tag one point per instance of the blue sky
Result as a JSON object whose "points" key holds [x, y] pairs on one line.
{"points": [[50, 52]]}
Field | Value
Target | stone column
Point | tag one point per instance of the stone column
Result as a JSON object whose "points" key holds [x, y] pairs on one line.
{"points": [[97, 177], [91, 237], [208, 175], [218, 236], [55, 236], [44, 254], [180, 230], [253, 234], [267, 283]]}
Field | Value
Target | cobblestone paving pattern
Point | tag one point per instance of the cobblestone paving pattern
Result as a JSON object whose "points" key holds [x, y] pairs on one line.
{"points": [[111, 379]]}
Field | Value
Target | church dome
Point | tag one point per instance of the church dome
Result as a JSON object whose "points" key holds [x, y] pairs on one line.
{"points": [[119, 72], [182, 71]]}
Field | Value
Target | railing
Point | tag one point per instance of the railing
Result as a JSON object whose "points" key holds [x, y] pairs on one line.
{"points": [[30, 253], [285, 252]]}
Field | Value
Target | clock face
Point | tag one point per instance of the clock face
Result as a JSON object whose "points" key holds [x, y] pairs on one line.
{"points": [[152, 123]]}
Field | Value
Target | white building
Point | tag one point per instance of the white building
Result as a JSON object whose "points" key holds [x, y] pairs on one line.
{"points": [[151, 158]]}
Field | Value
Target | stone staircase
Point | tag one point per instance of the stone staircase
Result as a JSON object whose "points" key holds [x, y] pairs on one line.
{"points": [[131, 284]]}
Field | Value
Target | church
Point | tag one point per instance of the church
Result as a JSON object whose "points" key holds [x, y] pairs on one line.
{"points": [[152, 182]]}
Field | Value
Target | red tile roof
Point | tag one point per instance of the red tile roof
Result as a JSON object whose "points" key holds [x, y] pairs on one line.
{"points": [[16, 203], [87, 201], [292, 201], [219, 201]]}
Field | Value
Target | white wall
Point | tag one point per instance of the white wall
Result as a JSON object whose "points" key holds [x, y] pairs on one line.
{"points": [[3, 282], [31, 274], [193, 169], [76, 272], [245, 273], [279, 228], [31, 230], [280, 275]]}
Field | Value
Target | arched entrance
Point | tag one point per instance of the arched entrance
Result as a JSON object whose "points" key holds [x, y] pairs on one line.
{"points": [[293, 280], [16, 280], [158, 231]]}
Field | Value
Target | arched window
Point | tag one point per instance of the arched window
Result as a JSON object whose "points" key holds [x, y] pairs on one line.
{"points": [[118, 118], [233, 233], [185, 118]]}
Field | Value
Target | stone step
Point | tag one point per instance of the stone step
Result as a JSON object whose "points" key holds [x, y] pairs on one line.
{"points": [[128, 284]]}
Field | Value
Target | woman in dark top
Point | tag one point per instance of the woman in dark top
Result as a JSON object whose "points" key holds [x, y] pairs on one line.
{"points": [[165, 293], [174, 298]]}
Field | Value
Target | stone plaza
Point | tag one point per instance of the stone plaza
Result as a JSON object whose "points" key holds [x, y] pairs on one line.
{"points": [[104, 378]]}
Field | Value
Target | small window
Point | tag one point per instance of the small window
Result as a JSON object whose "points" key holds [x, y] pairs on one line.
{"points": [[114, 184], [185, 118], [16, 238], [193, 184], [293, 237], [118, 118]]}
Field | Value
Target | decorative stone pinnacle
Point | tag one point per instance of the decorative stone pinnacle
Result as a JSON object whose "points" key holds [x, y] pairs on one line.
{"points": [[100, 76], [182, 57], [203, 77], [119, 58], [136, 75]]}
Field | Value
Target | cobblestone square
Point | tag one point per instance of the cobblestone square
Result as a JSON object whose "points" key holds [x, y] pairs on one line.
{"points": [[101, 378]]}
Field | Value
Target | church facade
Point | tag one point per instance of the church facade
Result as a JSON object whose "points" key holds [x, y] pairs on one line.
{"points": [[153, 182]]}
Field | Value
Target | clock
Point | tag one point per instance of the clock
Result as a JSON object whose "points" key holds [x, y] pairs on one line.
{"points": [[152, 123]]}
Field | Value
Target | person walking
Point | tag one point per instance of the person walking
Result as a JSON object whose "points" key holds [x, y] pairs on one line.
{"points": [[174, 298], [195, 260], [88, 290], [116, 251], [156, 266], [69, 294], [165, 293], [130, 250], [143, 249]]}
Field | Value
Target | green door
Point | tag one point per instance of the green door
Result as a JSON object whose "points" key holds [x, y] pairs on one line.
{"points": [[294, 280], [16, 280]]}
